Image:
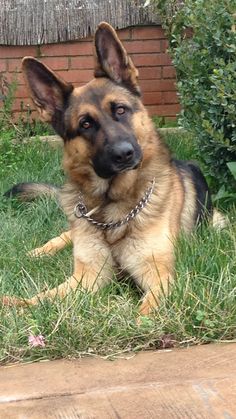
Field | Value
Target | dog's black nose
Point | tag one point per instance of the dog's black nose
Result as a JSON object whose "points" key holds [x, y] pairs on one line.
{"points": [[122, 152]]}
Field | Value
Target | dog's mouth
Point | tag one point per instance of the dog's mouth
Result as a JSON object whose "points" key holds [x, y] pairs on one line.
{"points": [[126, 168], [110, 171]]}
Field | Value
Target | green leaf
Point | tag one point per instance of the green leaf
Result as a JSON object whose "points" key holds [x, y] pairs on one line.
{"points": [[200, 315], [232, 168]]}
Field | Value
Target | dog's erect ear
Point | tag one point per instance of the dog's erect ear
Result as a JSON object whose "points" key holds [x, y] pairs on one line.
{"points": [[112, 59], [49, 92]]}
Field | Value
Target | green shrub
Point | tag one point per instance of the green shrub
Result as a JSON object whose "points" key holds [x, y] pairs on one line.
{"points": [[203, 46]]}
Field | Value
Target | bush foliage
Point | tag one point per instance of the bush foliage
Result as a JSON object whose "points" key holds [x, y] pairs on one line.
{"points": [[202, 39]]}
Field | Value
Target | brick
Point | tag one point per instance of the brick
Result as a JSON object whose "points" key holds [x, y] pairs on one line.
{"points": [[15, 77], [163, 110], [3, 65], [76, 76], [56, 63], [14, 65], [157, 85], [82, 62], [168, 72], [143, 46], [67, 49], [147, 73], [124, 33], [164, 45], [19, 78], [22, 92], [152, 98], [20, 104], [148, 32], [149, 60], [170, 97], [17, 52]]}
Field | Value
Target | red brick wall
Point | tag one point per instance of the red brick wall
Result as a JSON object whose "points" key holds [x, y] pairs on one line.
{"points": [[74, 62]]}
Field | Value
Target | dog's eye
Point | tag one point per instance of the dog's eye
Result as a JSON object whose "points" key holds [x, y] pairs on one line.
{"points": [[120, 110], [86, 124]]}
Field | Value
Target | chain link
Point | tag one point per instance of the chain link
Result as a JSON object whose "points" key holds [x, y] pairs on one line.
{"points": [[80, 211]]}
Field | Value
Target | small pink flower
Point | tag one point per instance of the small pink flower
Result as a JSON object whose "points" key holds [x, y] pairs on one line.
{"points": [[35, 341]]}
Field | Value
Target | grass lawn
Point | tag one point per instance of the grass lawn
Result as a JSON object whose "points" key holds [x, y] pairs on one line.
{"points": [[200, 308]]}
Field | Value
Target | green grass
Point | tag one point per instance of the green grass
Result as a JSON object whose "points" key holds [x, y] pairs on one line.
{"points": [[200, 308]]}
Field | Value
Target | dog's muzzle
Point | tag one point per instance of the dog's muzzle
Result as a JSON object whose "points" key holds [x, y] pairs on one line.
{"points": [[124, 156], [116, 158]]}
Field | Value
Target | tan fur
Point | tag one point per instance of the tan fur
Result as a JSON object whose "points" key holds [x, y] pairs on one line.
{"points": [[53, 245], [144, 248]]}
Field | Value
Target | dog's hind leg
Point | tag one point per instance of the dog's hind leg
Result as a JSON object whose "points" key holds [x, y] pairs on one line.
{"points": [[53, 245]]}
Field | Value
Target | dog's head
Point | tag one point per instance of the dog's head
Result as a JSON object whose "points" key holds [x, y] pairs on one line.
{"points": [[100, 120]]}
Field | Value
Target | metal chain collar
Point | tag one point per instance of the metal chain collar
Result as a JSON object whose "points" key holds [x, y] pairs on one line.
{"points": [[80, 211]]}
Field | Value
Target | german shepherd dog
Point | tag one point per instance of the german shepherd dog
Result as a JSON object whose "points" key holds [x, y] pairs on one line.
{"points": [[126, 198]]}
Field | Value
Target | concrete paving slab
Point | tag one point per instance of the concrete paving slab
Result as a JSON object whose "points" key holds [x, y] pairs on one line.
{"points": [[198, 382]]}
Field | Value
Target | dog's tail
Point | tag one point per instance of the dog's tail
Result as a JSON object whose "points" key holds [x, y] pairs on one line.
{"points": [[30, 191]]}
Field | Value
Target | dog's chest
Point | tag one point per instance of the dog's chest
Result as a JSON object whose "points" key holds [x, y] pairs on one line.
{"points": [[114, 235], [115, 214]]}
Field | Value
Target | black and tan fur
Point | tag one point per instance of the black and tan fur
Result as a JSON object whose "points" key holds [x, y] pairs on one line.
{"points": [[111, 154]]}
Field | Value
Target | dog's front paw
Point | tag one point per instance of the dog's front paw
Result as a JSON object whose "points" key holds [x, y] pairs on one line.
{"points": [[40, 252]]}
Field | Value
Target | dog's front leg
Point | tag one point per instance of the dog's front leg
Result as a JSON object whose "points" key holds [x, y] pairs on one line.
{"points": [[155, 282], [153, 275], [84, 276], [92, 266], [53, 245]]}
